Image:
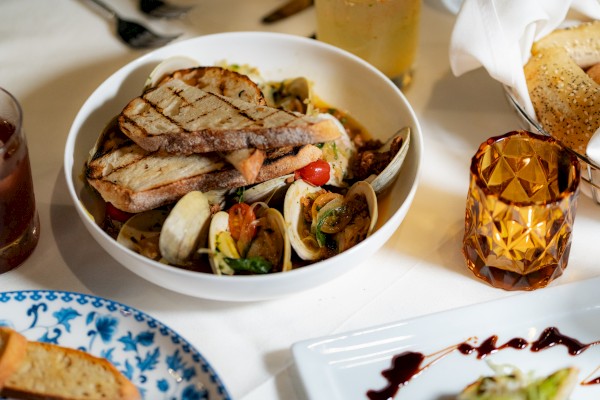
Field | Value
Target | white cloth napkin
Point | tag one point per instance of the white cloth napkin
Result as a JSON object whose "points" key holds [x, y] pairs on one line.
{"points": [[498, 34]]}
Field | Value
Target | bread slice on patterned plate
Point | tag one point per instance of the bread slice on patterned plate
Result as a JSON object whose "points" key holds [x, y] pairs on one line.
{"points": [[13, 347], [51, 372]]}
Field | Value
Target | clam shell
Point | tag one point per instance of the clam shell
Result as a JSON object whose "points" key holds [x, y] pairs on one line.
{"points": [[293, 215], [382, 181], [366, 189], [264, 191], [222, 245], [185, 229], [338, 154], [140, 228], [293, 94], [167, 67], [292, 212]]}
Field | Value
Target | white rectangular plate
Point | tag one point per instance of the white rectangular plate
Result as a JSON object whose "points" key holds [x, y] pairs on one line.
{"points": [[346, 366]]}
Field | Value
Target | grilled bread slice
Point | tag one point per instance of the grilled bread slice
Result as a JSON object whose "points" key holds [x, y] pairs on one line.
{"points": [[234, 85], [181, 119], [219, 80], [135, 180], [47, 371]]}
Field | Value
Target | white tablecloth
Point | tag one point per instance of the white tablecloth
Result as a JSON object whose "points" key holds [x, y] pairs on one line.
{"points": [[53, 54]]}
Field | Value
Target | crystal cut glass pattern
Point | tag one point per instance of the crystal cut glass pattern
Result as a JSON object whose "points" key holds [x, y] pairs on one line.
{"points": [[520, 211]]}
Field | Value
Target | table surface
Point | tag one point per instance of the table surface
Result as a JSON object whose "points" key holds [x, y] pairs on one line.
{"points": [[53, 54]]}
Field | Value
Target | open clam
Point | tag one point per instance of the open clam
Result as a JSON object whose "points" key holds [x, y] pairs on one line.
{"points": [[266, 249], [141, 233], [167, 67], [323, 224], [338, 154], [398, 143], [268, 190], [185, 229], [293, 94]]}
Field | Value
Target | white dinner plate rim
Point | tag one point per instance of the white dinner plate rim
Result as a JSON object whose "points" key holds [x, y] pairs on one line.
{"points": [[140, 317]]}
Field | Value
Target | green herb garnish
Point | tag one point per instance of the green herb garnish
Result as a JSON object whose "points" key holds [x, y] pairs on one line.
{"points": [[255, 265]]}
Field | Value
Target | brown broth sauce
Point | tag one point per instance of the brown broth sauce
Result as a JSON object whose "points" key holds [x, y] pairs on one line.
{"points": [[405, 366]]}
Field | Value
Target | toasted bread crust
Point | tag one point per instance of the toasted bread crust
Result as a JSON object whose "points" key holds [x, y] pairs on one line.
{"points": [[52, 372], [127, 197], [36, 370], [181, 119], [13, 347], [219, 81]]}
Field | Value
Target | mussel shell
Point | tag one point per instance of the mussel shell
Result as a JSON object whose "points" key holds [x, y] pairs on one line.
{"points": [[383, 180]]}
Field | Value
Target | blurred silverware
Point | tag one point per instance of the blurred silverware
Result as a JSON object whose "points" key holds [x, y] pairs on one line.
{"points": [[288, 9], [133, 33], [162, 9]]}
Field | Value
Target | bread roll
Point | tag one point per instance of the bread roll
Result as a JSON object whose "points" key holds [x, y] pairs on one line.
{"points": [[566, 99]]}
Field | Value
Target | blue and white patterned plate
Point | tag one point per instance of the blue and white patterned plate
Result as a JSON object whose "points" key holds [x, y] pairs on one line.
{"points": [[155, 358]]}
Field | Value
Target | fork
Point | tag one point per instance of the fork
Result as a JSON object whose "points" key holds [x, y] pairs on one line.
{"points": [[161, 9], [133, 33]]}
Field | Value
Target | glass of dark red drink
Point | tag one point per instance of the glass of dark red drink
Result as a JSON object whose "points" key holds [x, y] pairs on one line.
{"points": [[19, 222]]}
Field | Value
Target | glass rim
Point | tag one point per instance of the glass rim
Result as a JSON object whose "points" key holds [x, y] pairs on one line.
{"points": [[18, 122], [573, 162]]}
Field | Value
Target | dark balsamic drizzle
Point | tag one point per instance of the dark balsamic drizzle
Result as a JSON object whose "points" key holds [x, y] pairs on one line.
{"points": [[407, 365], [404, 367]]}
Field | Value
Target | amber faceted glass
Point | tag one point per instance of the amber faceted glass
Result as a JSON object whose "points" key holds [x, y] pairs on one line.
{"points": [[520, 210]]}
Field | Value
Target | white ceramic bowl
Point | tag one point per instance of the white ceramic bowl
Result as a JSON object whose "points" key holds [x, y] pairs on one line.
{"points": [[341, 79]]}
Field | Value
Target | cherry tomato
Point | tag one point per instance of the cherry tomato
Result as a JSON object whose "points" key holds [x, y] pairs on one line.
{"points": [[241, 216], [316, 173], [116, 214]]}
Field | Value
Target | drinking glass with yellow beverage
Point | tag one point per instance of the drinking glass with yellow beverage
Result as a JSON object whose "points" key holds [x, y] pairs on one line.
{"points": [[382, 32]]}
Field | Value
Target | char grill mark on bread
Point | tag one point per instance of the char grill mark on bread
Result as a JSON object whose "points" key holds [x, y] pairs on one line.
{"points": [[220, 81], [234, 85], [181, 119], [135, 180]]}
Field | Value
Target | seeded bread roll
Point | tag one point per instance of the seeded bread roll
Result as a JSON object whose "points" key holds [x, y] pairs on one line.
{"points": [[566, 99]]}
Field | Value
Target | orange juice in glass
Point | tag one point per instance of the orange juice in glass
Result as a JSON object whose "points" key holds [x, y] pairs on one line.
{"points": [[382, 32]]}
